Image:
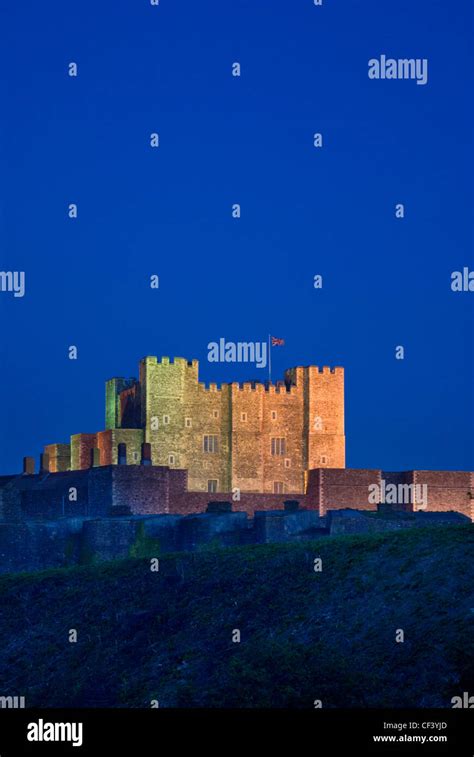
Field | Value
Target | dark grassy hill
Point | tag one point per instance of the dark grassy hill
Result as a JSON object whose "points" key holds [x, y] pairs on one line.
{"points": [[305, 635]]}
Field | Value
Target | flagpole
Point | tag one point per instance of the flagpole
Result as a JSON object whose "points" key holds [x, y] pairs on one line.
{"points": [[269, 360]]}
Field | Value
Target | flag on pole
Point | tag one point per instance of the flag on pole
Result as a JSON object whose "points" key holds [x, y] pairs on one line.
{"points": [[273, 341]]}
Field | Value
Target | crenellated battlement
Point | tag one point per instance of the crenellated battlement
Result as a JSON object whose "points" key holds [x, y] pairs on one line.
{"points": [[258, 436], [203, 386], [325, 369], [298, 374], [174, 361]]}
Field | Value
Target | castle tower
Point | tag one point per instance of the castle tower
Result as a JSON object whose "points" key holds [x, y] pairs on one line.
{"points": [[323, 425], [324, 395], [186, 423], [115, 405], [162, 407], [253, 436]]}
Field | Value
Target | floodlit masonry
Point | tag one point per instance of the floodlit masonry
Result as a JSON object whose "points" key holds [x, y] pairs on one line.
{"points": [[172, 445], [251, 437], [136, 490]]}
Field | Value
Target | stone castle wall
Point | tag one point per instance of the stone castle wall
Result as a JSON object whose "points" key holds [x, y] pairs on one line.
{"points": [[222, 435], [349, 488], [149, 489], [341, 488], [448, 490], [32, 546]]}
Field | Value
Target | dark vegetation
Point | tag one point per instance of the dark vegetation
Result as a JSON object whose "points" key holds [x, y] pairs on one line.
{"points": [[305, 635]]}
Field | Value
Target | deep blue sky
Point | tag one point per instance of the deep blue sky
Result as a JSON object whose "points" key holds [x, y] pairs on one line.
{"points": [[304, 211]]}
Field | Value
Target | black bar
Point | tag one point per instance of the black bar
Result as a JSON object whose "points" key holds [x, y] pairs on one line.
{"points": [[318, 732]]}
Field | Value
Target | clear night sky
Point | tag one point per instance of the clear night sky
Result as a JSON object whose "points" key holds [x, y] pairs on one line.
{"points": [[247, 140]]}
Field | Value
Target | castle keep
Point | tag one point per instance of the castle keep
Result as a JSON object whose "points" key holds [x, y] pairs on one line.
{"points": [[255, 437], [181, 465]]}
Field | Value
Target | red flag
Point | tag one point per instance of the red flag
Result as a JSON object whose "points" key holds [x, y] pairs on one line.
{"points": [[277, 342]]}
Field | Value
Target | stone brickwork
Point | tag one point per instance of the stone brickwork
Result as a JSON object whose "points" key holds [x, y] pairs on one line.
{"points": [[59, 456], [448, 490], [137, 490], [188, 502], [114, 408], [255, 437], [81, 446], [322, 394], [342, 488], [178, 412], [108, 442], [97, 491], [145, 490], [151, 489], [349, 488]]}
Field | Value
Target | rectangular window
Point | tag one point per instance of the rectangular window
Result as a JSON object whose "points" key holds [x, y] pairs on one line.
{"points": [[287, 462], [323, 460], [212, 485], [243, 417], [188, 422], [210, 443], [166, 420], [274, 415], [171, 459], [215, 413], [278, 487], [278, 445]]}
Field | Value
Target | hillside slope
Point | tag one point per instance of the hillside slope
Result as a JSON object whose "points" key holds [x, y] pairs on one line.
{"points": [[305, 635]]}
